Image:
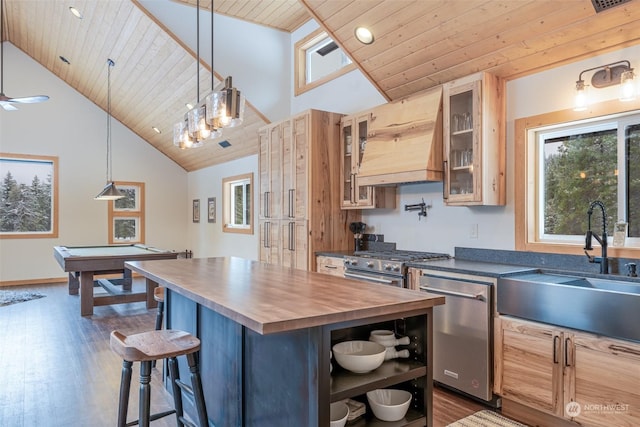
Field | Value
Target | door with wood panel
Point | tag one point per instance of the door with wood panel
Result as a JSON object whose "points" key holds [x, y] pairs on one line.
{"points": [[270, 165], [531, 359], [294, 243], [603, 376], [269, 233], [294, 168]]}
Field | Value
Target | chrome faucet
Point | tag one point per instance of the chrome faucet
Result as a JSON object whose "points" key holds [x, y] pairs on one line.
{"points": [[602, 260]]}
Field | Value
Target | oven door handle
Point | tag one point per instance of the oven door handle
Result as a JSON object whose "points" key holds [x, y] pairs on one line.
{"points": [[370, 278], [478, 297]]}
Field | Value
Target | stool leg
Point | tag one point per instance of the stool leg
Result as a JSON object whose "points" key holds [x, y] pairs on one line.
{"points": [[159, 316], [177, 392], [125, 386], [145, 394], [198, 395]]}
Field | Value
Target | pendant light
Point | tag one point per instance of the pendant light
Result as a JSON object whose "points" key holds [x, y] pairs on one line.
{"points": [[220, 109], [110, 191]]}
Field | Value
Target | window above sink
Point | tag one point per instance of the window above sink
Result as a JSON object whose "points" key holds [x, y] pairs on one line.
{"points": [[573, 159]]}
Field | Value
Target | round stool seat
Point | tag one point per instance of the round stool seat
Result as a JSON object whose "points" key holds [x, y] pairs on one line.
{"points": [[158, 294], [152, 345]]}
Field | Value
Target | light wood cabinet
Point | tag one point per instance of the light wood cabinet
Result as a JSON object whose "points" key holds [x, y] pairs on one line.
{"points": [[474, 141], [300, 209], [353, 143], [333, 266], [546, 368]]}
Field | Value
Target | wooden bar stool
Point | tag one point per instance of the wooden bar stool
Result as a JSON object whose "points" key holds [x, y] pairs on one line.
{"points": [[146, 347]]}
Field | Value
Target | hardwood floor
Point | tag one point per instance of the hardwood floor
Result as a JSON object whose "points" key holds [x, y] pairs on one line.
{"points": [[56, 367]]}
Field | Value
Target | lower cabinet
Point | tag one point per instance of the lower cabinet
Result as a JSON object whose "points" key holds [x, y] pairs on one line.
{"points": [[333, 266], [580, 377]]}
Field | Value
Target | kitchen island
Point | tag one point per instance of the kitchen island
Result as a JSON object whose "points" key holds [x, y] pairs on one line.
{"points": [[267, 332]]}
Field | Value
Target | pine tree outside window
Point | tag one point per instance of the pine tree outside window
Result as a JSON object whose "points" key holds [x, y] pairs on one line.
{"points": [[28, 196]]}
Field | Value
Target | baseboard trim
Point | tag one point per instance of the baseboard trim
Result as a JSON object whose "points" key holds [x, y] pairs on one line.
{"points": [[532, 417], [52, 280], [49, 281]]}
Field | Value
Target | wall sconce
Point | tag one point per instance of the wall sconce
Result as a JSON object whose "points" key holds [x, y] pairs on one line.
{"points": [[607, 75]]}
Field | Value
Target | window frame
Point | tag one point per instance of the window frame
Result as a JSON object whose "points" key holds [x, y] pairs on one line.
{"points": [[227, 208], [53, 233], [300, 63], [137, 213], [525, 192]]}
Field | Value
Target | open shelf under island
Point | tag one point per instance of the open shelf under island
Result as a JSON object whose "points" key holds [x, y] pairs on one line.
{"points": [[267, 331]]}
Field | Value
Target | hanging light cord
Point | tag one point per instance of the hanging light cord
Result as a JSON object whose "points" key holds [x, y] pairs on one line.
{"points": [[110, 64], [212, 70], [2, 46], [198, 51]]}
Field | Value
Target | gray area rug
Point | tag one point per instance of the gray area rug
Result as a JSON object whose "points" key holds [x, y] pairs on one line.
{"points": [[14, 297], [486, 419]]}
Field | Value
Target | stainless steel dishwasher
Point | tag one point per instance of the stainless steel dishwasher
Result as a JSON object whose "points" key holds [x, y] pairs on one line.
{"points": [[462, 335]]}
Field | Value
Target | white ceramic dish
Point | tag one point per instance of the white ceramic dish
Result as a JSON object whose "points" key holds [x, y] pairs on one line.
{"points": [[359, 356], [387, 338], [339, 412], [389, 404]]}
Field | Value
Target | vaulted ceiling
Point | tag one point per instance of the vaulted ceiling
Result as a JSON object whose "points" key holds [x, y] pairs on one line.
{"points": [[418, 44]]}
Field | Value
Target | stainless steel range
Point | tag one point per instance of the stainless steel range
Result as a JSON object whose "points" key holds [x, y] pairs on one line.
{"points": [[385, 267]]}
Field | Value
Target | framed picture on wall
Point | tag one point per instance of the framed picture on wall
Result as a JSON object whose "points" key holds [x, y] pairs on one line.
{"points": [[196, 210], [211, 209]]}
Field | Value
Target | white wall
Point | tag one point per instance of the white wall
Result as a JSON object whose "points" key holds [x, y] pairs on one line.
{"points": [[207, 239], [72, 128]]}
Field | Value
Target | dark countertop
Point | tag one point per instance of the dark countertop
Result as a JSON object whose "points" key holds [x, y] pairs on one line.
{"points": [[477, 268], [480, 268]]}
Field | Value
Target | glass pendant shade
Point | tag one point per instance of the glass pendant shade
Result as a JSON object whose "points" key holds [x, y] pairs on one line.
{"points": [[627, 86], [581, 99], [216, 106]]}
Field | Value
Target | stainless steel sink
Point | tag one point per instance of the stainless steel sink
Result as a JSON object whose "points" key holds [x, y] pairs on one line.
{"points": [[603, 306]]}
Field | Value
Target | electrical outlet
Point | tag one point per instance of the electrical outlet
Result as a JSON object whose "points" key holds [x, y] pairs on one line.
{"points": [[473, 234]]}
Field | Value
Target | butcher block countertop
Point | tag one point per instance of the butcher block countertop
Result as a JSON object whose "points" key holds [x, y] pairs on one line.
{"points": [[269, 299]]}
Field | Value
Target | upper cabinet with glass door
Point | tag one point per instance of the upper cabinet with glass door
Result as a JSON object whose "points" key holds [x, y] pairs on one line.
{"points": [[474, 141], [353, 142]]}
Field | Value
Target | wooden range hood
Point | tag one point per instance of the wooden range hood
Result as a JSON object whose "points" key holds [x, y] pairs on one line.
{"points": [[404, 141]]}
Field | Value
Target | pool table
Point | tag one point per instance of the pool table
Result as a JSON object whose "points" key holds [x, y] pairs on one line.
{"points": [[83, 262]]}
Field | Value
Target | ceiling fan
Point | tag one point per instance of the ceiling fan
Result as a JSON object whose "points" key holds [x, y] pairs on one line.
{"points": [[7, 102]]}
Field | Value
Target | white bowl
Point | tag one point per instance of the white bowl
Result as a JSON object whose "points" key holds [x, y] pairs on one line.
{"points": [[359, 356], [389, 404], [339, 414]]}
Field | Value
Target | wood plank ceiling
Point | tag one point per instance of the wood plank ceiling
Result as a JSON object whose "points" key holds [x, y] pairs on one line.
{"points": [[419, 44]]}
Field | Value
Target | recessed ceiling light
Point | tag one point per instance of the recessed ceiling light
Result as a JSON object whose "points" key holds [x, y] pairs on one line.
{"points": [[189, 106], [364, 35], [156, 129], [65, 60], [75, 12]]}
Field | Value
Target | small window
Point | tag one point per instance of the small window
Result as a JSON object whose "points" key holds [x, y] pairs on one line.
{"points": [[318, 59], [28, 196], [237, 200], [126, 215]]}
